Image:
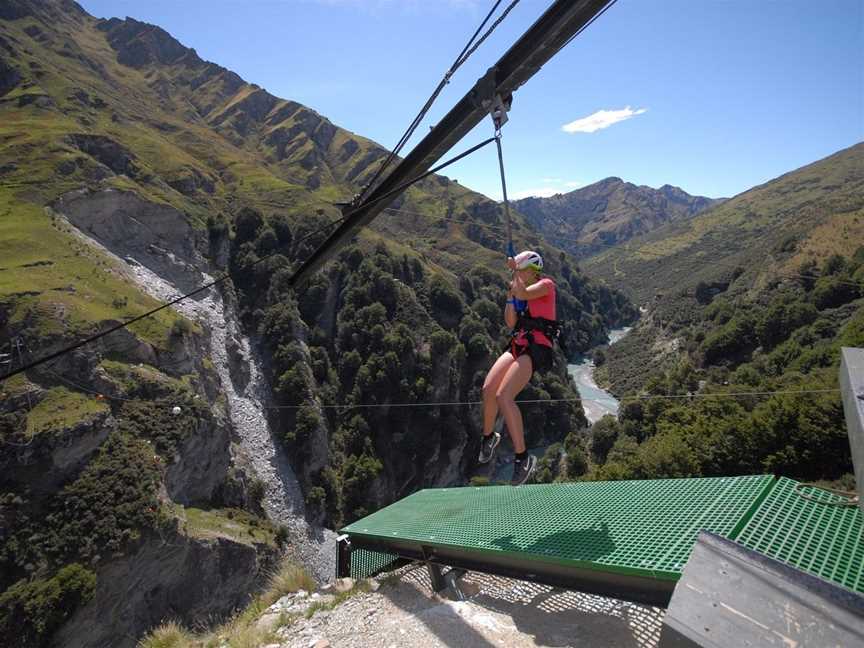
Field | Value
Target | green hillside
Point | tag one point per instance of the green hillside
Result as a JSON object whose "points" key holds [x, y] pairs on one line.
{"points": [[756, 295], [767, 232], [113, 130]]}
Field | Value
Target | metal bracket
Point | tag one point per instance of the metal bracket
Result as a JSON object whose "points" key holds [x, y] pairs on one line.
{"points": [[343, 556], [500, 108]]}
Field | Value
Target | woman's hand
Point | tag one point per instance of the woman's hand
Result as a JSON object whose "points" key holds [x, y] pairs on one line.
{"points": [[515, 285]]}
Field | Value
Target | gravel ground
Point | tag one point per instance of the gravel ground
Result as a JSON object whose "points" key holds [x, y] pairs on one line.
{"points": [[497, 612]]}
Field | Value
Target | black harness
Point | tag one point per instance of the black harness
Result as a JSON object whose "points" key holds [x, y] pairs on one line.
{"points": [[550, 328]]}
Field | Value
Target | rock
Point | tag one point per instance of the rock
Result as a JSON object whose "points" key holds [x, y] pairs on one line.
{"points": [[106, 151], [342, 585], [301, 594], [268, 622], [319, 643], [284, 602], [372, 584]]}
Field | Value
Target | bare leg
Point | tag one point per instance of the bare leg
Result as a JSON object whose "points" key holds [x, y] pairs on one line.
{"points": [[517, 376], [490, 390]]}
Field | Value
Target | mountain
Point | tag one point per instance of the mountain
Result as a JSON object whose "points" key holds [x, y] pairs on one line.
{"points": [[733, 366], [190, 450], [590, 219], [766, 232]]}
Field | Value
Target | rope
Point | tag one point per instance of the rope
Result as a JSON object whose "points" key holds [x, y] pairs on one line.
{"points": [[551, 401], [225, 276], [463, 56], [849, 498], [400, 188], [510, 251], [720, 264], [149, 313]]}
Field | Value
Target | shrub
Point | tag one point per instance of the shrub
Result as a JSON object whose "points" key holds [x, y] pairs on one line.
{"points": [[604, 433], [111, 502], [31, 611], [181, 327], [256, 492]]}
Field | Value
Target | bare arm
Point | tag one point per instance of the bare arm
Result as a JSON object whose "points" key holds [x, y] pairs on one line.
{"points": [[520, 291], [510, 313]]}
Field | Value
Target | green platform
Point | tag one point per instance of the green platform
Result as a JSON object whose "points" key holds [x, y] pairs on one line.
{"points": [[820, 539], [638, 533]]}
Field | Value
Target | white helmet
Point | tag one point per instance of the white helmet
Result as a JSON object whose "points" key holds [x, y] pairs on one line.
{"points": [[528, 259]]}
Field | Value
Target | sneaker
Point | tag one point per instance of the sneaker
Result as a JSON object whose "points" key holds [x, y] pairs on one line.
{"points": [[522, 470], [487, 447]]}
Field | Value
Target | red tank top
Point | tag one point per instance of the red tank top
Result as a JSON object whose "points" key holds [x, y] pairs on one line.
{"points": [[541, 307]]}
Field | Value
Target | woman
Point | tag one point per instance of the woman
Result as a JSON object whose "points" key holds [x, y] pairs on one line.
{"points": [[530, 350]]}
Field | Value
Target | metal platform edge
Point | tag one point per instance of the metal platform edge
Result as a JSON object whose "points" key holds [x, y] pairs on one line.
{"points": [[629, 587]]}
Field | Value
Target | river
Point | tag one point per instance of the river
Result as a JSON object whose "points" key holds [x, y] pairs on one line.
{"points": [[596, 402]]}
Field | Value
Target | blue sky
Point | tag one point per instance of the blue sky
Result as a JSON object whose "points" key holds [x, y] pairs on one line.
{"points": [[714, 96]]}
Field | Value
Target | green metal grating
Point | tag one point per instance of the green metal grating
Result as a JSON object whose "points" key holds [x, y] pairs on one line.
{"points": [[366, 563], [644, 528], [827, 541]]}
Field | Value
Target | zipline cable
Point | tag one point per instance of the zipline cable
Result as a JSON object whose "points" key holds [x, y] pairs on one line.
{"points": [[138, 318], [463, 56], [225, 276], [548, 401]]}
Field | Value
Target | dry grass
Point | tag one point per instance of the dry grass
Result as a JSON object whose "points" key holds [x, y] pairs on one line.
{"points": [[168, 635], [241, 631]]}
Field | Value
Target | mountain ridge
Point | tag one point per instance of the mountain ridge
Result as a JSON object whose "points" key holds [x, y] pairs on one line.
{"points": [[608, 212], [132, 170]]}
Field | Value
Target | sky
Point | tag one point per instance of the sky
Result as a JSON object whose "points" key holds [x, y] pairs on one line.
{"points": [[713, 96]]}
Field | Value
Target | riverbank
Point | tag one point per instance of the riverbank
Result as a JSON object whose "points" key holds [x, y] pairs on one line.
{"points": [[596, 402]]}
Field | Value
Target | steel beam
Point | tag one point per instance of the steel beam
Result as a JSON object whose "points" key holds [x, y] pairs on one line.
{"points": [[536, 46], [852, 388], [637, 589]]}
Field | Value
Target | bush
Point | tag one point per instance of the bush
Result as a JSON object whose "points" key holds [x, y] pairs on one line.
{"points": [[256, 492], [31, 611], [181, 327], [604, 433], [107, 507]]}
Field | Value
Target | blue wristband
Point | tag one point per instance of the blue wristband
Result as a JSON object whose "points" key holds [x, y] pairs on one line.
{"points": [[511, 301]]}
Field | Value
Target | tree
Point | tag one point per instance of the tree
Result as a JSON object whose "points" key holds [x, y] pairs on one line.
{"points": [[604, 433]]}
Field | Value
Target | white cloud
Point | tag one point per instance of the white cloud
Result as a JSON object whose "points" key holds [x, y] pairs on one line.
{"points": [[559, 187], [601, 119], [538, 192]]}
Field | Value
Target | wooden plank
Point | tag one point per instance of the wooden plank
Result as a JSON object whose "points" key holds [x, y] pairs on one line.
{"points": [[732, 596]]}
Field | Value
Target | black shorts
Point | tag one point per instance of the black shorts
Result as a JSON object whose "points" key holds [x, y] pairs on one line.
{"points": [[542, 356]]}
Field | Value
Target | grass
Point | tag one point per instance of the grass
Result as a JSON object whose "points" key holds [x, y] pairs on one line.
{"points": [[131, 378], [58, 285], [235, 524], [62, 409], [241, 631], [819, 205]]}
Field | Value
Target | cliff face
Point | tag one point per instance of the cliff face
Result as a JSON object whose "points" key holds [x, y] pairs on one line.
{"points": [[171, 575], [132, 171]]}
